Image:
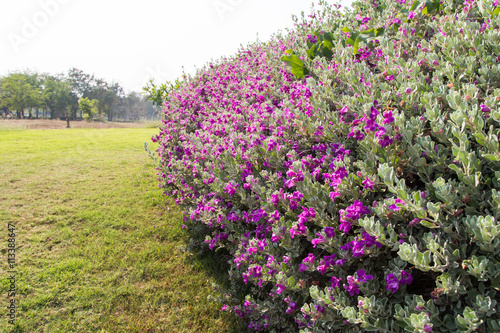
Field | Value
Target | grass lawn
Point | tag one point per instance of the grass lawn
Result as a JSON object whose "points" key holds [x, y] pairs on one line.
{"points": [[97, 251]]}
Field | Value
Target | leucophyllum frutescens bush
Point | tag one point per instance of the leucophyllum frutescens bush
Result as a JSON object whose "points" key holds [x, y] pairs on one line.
{"points": [[351, 168]]}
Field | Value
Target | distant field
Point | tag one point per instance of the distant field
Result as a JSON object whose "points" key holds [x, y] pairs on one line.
{"points": [[20, 124], [96, 249]]}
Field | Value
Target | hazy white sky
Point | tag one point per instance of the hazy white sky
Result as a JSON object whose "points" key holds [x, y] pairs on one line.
{"points": [[133, 41]]}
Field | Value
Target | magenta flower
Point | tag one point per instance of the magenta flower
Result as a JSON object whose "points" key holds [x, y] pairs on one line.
{"points": [[394, 207], [319, 308], [352, 286], [362, 276], [414, 222], [345, 226], [388, 118], [390, 78], [231, 188], [335, 282], [281, 288], [310, 258], [303, 267], [408, 90], [368, 183], [406, 278], [329, 231], [292, 307], [484, 108], [312, 39], [318, 240], [358, 136], [392, 283], [385, 141]]}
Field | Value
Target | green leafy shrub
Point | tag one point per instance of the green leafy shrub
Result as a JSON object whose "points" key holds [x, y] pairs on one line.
{"points": [[350, 168], [88, 107]]}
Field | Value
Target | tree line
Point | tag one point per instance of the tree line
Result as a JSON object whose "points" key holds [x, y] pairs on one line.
{"points": [[29, 94]]}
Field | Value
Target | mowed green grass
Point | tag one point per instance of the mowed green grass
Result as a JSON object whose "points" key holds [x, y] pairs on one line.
{"points": [[99, 248]]}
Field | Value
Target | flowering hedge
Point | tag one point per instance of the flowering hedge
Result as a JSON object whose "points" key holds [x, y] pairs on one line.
{"points": [[351, 168]]}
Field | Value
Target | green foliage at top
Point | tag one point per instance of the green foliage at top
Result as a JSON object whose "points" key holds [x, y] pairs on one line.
{"points": [[158, 93]]}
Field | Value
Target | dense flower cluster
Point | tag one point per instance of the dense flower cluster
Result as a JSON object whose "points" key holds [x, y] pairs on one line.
{"points": [[363, 196]]}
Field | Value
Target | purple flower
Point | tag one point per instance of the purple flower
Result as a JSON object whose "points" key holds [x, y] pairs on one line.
{"points": [[312, 39], [275, 237], [415, 221], [310, 258], [368, 183], [319, 308], [225, 307], [231, 188], [406, 278], [281, 288], [352, 287], [408, 90], [392, 283], [333, 195], [340, 262], [322, 268], [388, 117], [329, 232], [355, 211], [484, 27], [484, 108], [385, 141], [303, 267], [335, 282], [427, 328], [394, 207], [411, 15], [390, 78], [292, 307], [357, 135], [362, 276], [318, 240]]}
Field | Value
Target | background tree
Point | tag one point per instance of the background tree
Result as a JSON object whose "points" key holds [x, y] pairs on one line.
{"points": [[16, 92], [58, 95], [88, 107]]}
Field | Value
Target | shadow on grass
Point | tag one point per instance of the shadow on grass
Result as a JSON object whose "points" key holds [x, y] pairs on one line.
{"points": [[216, 265]]}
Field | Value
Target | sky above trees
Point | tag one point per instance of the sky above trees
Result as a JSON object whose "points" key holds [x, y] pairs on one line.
{"points": [[132, 42]]}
